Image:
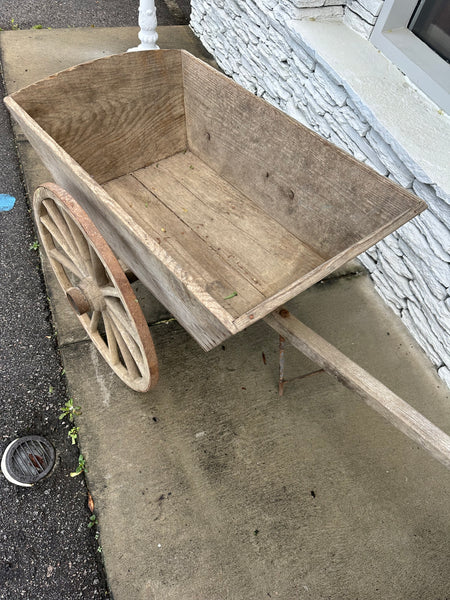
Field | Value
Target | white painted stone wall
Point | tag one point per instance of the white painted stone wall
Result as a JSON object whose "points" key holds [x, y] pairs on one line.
{"points": [[361, 15], [251, 43]]}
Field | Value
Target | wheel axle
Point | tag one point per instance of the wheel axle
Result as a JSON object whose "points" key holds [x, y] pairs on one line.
{"points": [[78, 300]]}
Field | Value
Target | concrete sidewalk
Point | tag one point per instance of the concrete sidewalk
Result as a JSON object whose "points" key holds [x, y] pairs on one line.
{"points": [[210, 487]]}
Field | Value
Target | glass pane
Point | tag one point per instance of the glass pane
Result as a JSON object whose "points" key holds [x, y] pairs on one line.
{"points": [[431, 23]]}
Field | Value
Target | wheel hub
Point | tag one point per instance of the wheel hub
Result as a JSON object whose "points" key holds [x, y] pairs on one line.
{"points": [[86, 297]]}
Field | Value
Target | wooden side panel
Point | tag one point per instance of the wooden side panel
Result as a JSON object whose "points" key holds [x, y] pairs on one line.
{"points": [[319, 193], [113, 115], [193, 307], [326, 268]]}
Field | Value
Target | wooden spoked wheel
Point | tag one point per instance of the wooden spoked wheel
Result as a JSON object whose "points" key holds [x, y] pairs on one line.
{"points": [[96, 287]]}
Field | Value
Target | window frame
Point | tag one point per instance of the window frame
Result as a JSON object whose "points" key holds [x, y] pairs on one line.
{"points": [[424, 67]]}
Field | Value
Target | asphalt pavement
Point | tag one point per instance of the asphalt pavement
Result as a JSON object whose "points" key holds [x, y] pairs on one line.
{"points": [[45, 543], [47, 550], [84, 13]]}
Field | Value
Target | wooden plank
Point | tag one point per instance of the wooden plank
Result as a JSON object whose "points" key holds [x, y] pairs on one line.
{"points": [[115, 114], [204, 318], [184, 245], [234, 227], [317, 191], [376, 395]]}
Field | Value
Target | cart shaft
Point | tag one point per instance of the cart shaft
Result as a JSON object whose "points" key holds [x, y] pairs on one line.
{"points": [[378, 396]]}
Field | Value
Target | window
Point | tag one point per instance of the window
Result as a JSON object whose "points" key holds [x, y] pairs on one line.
{"points": [[415, 35], [431, 23]]}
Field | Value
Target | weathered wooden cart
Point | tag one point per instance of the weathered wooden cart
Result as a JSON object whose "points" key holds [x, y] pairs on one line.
{"points": [[223, 206]]}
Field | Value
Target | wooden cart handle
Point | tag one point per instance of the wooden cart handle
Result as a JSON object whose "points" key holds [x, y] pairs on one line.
{"points": [[379, 397]]}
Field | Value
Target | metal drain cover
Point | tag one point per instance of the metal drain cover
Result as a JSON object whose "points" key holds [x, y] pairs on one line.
{"points": [[28, 460]]}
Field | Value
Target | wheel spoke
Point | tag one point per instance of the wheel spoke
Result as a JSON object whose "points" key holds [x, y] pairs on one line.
{"points": [[95, 318], [65, 262], [121, 318], [130, 362], [111, 340], [109, 290], [58, 237], [79, 240], [98, 271], [126, 330], [59, 220]]}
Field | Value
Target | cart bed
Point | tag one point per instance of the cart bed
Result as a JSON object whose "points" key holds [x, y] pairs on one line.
{"points": [[213, 231], [222, 205]]}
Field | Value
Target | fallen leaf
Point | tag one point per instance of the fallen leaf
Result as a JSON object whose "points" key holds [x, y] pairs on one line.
{"points": [[37, 461], [90, 503]]}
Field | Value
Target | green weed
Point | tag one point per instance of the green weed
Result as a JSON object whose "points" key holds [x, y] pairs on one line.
{"points": [[69, 410], [73, 434], [80, 468]]}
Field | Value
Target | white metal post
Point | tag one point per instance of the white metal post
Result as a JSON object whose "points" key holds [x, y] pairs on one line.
{"points": [[147, 23]]}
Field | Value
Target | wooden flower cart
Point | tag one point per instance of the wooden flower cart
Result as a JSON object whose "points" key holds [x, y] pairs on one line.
{"points": [[223, 206]]}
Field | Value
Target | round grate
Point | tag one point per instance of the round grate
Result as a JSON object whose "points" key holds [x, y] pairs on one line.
{"points": [[27, 460]]}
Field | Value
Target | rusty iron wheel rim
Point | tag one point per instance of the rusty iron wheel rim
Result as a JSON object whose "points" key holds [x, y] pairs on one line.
{"points": [[96, 287]]}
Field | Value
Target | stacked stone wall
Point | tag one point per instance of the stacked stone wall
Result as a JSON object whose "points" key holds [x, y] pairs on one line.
{"points": [[361, 15]]}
